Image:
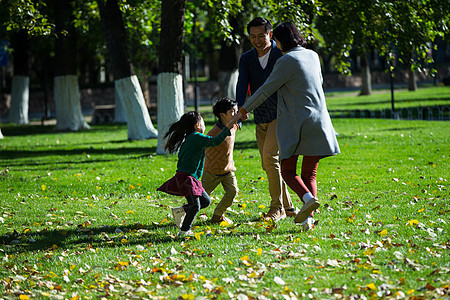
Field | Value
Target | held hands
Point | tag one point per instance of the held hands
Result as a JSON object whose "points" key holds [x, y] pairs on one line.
{"points": [[232, 123]]}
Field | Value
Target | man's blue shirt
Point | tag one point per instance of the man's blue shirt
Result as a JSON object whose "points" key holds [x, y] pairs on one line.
{"points": [[251, 72]]}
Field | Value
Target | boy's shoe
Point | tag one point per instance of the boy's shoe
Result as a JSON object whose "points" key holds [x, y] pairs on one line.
{"points": [[308, 224], [306, 210], [220, 219], [178, 215], [276, 214], [182, 234], [291, 212]]}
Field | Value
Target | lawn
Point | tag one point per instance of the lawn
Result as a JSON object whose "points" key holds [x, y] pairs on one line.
{"points": [[81, 219], [381, 99]]}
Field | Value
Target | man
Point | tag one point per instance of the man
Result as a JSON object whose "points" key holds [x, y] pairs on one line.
{"points": [[254, 68]]}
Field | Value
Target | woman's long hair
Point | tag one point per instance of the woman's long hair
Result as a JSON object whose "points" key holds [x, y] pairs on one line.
{"points": [[179, 130], [289, 36]]}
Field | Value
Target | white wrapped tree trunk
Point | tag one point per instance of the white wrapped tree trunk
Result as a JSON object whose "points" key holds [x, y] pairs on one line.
{"points": [[170, 104], [227, 83], [1, 135], [67, 103], [139, 124], [119, 115], [18, 113]]}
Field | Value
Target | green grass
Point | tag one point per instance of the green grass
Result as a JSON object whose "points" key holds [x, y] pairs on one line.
{"points": [[423, 97], [81, 219]]}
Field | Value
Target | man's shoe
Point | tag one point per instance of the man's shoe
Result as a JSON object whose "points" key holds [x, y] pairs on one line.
{"points": [[308, 224], [275, 214], [220, 219], [306, 210], [291, 212], [178, 215]]}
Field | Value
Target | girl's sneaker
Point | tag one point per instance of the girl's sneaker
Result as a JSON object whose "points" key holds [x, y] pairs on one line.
{"points": [[183, 234], [178, 215], [306, 210]]}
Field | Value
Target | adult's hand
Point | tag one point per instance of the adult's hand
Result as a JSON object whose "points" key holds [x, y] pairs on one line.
{"points": [[237, 117]]}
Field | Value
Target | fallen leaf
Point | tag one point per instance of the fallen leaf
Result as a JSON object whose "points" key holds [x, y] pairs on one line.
{"points": [[278, 280]]}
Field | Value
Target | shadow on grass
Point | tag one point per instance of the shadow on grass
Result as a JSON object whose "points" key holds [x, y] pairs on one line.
{"points": [[120, 153], [23, 130], [85, 236], [245, 145]]}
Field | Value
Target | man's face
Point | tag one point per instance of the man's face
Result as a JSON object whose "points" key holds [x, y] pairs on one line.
{"points": [[260, 39]]}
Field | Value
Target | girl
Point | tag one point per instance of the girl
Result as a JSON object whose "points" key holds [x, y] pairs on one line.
{"points": [[186, 135]]}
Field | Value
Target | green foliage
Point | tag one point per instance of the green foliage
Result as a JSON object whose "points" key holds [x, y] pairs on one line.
{"points": [[27, 14], [404, 28]]}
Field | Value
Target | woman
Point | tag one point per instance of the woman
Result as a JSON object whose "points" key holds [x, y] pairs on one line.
{"points": [[304, 126]]}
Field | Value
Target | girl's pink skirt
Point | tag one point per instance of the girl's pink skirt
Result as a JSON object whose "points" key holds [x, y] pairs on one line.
{"points": [[182, 184]]}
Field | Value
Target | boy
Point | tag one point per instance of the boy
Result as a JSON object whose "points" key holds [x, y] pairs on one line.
{"points": [[219, 163]]}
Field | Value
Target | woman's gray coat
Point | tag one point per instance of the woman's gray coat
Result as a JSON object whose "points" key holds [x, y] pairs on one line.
{"points": [[303, 123]]}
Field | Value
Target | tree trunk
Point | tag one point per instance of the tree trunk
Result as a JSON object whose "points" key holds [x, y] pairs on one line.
{"points": [[1, 135], [119, 114], [366, 88], [65, 89], [412, 82], [18, 112], [227, 83], [229, 64], [170, 83], [126, 83]]}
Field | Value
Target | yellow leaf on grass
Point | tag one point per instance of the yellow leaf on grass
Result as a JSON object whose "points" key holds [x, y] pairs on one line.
{"points": [[369, 251], [130, 212], [198, 234], [245, 257], [188, 297], [413, 222], [421, 210], [43, 188], [124, 241], [262, 206], [224, 223], [372, 286], [259, 251], [350, 219], [410, 292], [383, 232], [24, 297]]}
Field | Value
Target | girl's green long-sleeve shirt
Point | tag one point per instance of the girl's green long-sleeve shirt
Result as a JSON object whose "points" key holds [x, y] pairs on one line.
{"points": [[191, 156]]}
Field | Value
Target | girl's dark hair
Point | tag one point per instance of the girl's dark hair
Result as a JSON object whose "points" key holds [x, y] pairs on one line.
{"points": [[180, 129], [289, 36], [222, 106], [259, 22]]}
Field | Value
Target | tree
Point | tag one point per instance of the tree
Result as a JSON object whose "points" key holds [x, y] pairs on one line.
{"points": [[65, 83], [411, 30], [170, 81], [22, 19], [126, 82], [406, 28], [18, 112]]}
